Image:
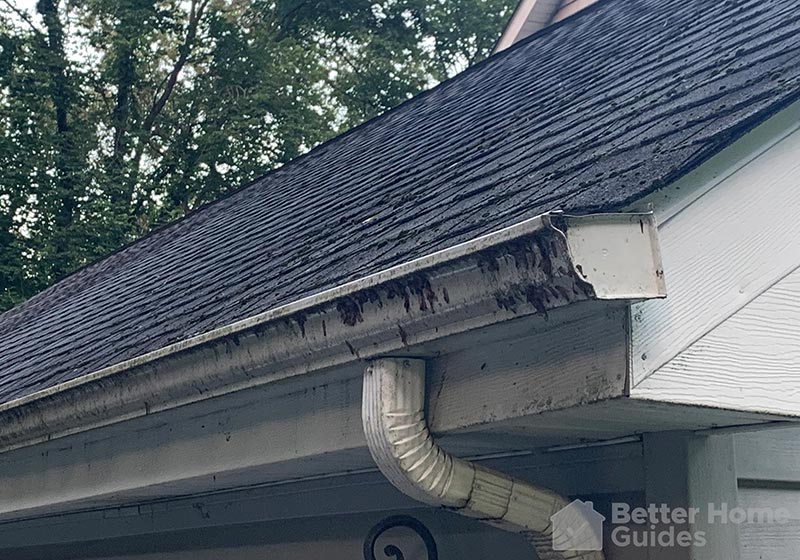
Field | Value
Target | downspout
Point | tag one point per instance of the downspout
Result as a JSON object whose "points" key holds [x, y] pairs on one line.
{"points": [[393, 414]]}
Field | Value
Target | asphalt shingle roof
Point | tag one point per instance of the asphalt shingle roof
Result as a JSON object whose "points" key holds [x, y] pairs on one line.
{"points": [[588, 115]]}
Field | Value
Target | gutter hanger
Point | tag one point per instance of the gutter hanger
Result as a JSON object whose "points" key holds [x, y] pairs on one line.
{"points": [[393, 414]]}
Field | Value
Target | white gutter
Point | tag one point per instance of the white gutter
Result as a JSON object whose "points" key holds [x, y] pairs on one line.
{"points": [[538, 265], [393, 413]]}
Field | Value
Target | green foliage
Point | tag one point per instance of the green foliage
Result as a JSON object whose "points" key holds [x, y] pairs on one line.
{"points": [[116, 117]]}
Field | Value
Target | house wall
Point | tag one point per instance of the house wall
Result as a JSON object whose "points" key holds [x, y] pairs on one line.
{"points": [[726, 335], [768, 476], [337, 538], [750, 475], [325, 518], [329, 518]]}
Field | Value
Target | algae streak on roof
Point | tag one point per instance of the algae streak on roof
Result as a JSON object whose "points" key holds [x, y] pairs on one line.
{"points": [[587, 115]]}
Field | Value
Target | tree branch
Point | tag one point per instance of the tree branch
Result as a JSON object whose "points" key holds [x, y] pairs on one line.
{"points": [[24, 17], [195, 15]]}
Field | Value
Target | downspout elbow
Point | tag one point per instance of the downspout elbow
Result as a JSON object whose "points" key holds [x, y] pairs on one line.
{"points": [[393, 414]]}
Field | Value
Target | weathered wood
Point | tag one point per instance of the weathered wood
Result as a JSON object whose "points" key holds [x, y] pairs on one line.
{"points": [[524, 381]]}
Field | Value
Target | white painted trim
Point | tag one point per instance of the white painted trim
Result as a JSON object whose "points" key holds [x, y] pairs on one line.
{"points": [[674, 198], [529, 17], [712, 480], [689, 471]]}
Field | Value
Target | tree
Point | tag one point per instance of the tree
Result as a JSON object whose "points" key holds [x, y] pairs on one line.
{"points": [[121, 116]]}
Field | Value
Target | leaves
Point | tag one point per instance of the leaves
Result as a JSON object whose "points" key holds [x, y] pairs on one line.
{"points": [[116, 117]]}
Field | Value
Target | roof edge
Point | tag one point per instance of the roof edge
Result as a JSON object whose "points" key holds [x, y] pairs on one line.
{"points": [[542, 263]]}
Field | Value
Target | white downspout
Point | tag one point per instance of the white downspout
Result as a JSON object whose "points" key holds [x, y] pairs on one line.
{"points": [[393, 414]]}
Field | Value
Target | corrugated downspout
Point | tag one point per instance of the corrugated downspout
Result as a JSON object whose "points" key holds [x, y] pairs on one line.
{"points": [[397, 434]]}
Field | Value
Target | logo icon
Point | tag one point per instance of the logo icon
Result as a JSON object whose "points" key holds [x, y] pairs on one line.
{"points": [[577, 526]]}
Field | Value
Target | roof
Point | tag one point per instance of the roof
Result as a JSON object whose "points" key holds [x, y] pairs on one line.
{"points": [[587, 115]]}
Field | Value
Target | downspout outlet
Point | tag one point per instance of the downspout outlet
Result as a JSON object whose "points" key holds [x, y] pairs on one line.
{"points": [[393, 414]]}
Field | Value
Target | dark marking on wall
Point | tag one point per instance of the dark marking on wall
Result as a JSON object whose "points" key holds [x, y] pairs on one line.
{"points": [[301, 322], [403, 335], [506, 301], [201, 507], [350, 311]]}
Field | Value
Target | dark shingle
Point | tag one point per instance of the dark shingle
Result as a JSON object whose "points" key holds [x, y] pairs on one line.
{"points": [[588, 115]]}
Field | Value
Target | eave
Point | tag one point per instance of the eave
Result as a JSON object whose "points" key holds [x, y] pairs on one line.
{"points": [[536, 266]]}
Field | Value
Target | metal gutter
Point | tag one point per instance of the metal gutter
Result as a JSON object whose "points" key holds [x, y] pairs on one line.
{"points": [[532, 267]]}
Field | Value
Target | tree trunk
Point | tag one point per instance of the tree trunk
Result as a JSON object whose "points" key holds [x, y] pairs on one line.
{"points": [[67, 160]]}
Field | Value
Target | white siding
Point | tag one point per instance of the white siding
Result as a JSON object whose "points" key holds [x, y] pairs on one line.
{"points": [[768, 467], [729, 235], [771, 541], [749, 362]]}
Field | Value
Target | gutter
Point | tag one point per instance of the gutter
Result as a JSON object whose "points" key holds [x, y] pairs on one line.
{"points": [[533, 267]]}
